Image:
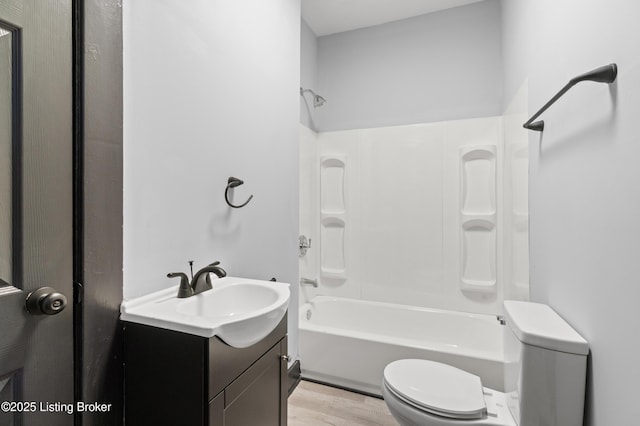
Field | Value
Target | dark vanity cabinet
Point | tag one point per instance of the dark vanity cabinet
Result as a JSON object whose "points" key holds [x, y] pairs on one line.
{"points": [[173, 378]]}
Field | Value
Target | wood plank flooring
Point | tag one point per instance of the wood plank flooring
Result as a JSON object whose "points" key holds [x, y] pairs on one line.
{"points": [[312, 404]]}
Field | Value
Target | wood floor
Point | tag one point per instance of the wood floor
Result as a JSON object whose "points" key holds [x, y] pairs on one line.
{"points": [[312, 404]]}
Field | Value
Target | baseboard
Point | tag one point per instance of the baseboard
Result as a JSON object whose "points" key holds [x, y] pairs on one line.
{"points": [[348, 389], [294, 375]]}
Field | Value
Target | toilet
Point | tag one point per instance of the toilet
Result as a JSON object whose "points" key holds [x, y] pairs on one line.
{"points": [[545, 364]]}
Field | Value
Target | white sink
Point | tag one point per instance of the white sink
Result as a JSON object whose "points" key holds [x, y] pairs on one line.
{"points": [[240, 311]]}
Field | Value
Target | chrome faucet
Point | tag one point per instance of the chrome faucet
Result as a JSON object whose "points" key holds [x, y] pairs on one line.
{"points": [[200, 281]]}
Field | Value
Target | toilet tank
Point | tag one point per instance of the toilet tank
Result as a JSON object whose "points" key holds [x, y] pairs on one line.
{"points": [[545, 364]]}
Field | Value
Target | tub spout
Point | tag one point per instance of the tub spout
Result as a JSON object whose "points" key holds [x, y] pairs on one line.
{"points": [[308, 281]]}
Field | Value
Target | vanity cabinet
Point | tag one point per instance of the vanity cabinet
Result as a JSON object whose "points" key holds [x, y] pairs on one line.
{"points": [[174, 378]]}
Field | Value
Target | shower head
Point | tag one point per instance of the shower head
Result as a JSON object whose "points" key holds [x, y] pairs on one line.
{"points": [[317, 99]]}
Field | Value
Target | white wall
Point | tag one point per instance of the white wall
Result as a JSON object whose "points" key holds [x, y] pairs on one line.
{"points": [[211, 91], [584, 178], [435, 67], [308, 73]]}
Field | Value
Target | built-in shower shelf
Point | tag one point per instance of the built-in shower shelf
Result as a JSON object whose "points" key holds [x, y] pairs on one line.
{"points": [[333, 184], [478, 219], [478, 169], [488, 218], [324, 214], [479, 286], [338, 274], [333, 217]]}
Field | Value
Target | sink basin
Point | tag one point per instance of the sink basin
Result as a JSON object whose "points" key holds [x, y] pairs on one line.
{"points": [[240, 311]]}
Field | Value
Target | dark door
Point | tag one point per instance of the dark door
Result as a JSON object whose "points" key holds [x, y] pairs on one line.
{"points": [[36, 350]]}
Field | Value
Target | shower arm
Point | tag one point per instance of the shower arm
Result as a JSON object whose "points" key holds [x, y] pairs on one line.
{"points": [[302, 91], [606, 74], [317, 99]]}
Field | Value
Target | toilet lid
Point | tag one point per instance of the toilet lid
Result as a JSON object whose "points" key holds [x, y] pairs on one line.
{"points": [[437, 388]]}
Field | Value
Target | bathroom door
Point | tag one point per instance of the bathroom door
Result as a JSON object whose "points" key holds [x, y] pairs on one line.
{"points": [[36, 216]]}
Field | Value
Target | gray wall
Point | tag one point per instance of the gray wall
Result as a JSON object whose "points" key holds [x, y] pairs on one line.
{"points": [[308, 73], [435, 67], [584, 179], [211, 90]]}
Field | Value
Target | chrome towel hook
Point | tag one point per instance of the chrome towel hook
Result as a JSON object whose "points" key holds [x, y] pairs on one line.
{"points": [[232, 183]]}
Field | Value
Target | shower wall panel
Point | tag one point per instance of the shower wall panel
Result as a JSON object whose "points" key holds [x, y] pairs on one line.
{"points": [[400, 231], [332, 185], [308, 265], [411, 215], [472, 214], [516, 196], [336, 197]]}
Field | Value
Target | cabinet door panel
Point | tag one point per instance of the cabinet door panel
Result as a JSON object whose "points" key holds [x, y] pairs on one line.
{"points": [[254, 397], [284, 381], [216, 410], [226, 363]]}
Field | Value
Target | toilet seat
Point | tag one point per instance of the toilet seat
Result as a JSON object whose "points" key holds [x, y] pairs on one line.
{"points": [[436, 388]]}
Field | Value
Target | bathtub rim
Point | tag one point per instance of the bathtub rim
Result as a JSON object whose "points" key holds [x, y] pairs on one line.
{"points": [[307, 325]]}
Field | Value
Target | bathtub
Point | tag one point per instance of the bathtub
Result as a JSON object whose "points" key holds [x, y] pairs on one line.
{"points": [[348, 342]]}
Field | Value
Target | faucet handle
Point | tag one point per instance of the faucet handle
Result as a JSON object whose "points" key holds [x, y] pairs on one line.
{"points": [[185, 289]]}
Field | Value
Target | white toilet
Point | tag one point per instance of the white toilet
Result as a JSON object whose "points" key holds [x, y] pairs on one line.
{"points": [[545, 364]]}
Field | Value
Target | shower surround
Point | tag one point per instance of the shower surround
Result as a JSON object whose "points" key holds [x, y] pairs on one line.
{"points": [[412, 214], [424, 215]]}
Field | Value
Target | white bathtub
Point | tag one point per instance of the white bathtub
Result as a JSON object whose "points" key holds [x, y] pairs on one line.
{"points": [[348, 342]]}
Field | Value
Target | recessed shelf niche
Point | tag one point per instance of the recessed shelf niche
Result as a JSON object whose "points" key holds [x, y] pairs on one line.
{"points": [[478, 219], [333, 217]]}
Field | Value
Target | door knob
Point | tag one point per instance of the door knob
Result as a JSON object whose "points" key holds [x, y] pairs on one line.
{"points": [[45, 301]]}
